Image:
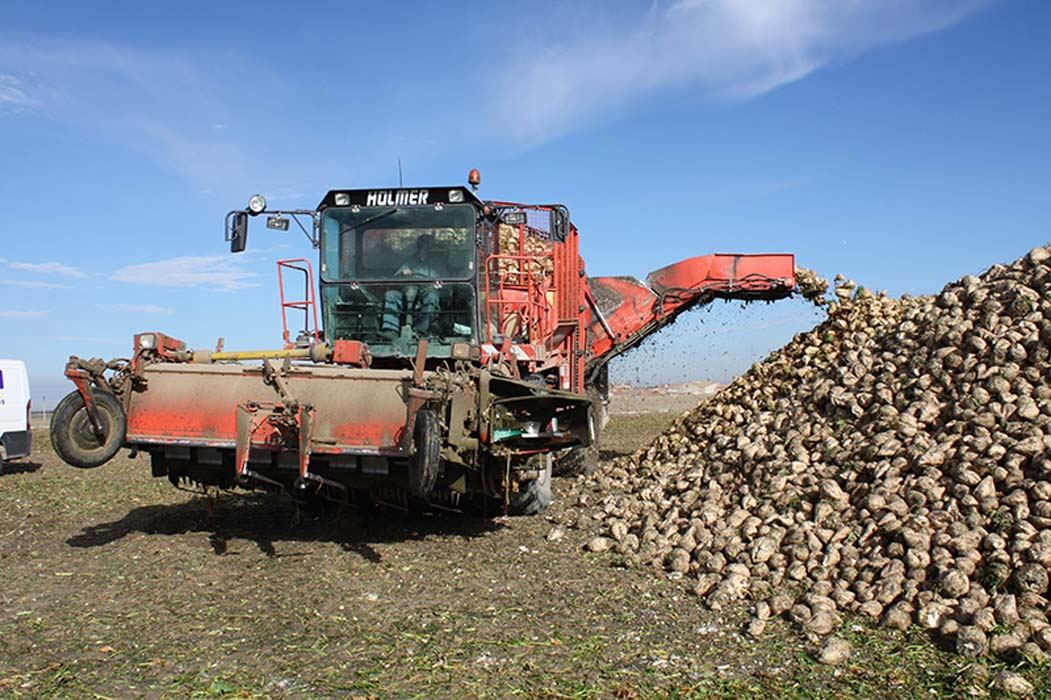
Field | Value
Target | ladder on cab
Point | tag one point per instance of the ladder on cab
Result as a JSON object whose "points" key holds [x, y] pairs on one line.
{"points": [[308, 304]]}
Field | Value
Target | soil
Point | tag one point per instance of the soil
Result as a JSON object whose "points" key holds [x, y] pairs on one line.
{"points": [[117, 585]]}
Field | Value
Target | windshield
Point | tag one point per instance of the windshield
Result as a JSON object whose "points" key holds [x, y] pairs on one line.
{"points": [[388, 243], [392, 276], [390, 318]]}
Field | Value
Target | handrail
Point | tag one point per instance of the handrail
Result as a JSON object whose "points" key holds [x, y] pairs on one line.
{"points": [[308, 305]]}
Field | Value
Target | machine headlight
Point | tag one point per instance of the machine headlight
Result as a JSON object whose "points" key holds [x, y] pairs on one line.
{"points": [[514, 218], [342, 199], [147, 341], [256, 204], [455, 196]]}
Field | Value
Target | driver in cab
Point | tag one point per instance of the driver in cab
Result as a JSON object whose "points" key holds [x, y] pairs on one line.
{"points": [[422, 299]]}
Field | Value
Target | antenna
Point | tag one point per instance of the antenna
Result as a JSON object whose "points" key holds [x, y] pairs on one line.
{"points": [[401, 183]]}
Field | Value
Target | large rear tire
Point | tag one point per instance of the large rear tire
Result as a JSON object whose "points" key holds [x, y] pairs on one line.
{"points": [[74, 439]]}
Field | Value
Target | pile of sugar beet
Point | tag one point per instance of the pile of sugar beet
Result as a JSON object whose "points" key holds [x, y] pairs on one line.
{"points": [[894, 462]]}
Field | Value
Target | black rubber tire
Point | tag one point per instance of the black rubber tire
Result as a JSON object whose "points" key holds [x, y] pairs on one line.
{"points": [[581, 460], [576, 460], [71, 434], [426, 455], [584, 460], [533, 497]]}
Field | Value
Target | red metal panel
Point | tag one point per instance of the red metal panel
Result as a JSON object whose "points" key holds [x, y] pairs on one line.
{"points": [[356, 410], [727, 272], [631, 311], [351, 352], [626, 305], [570, 302]]}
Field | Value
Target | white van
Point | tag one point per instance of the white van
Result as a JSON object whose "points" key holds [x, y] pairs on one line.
{"points": [[16, 440]]}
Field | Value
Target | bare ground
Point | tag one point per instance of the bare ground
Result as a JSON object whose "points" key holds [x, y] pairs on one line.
{"points": [[116, 585]]}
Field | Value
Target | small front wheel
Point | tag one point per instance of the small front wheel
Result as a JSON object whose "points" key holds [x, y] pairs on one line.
{"points": [[426, 453], [73, 436]]}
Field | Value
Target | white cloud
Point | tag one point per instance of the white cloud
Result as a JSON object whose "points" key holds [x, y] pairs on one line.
{"points": [[33, 284], [22, 314], [216, 271], [13, 95], [147, 309], [728, 49], [47, 268]]}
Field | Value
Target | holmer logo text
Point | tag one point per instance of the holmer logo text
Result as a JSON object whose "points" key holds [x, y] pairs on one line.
{"points": [[396, 198]]}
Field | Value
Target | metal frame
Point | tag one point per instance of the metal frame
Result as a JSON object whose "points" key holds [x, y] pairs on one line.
{"points": [[314, 235], [308, 305], [335, 420]]}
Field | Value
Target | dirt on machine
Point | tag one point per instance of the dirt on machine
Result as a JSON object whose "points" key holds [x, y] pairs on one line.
{"points": [[450, 353]]}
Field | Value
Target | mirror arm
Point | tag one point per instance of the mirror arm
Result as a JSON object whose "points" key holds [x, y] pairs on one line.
{"points": [[312, 238], [228, 229]]}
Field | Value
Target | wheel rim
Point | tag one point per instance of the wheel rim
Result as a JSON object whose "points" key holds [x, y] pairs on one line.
{"points": [[82, 434]]}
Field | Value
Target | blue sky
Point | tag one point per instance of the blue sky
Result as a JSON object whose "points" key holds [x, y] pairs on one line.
{"points": [[902, 143]]}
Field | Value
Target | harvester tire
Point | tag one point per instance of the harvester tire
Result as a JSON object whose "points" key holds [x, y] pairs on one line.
{"points": [[577, 460], [426, 454], [533, 497], [581, 460], [584, 460], [72, 436]]}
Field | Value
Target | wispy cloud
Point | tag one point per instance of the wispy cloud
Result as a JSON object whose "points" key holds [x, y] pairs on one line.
{"points": [[13, 95], [723, 49], [216, 271], [147, 309], [758, 189], [47, 268], [31, 284], [22, 314], [161, 103], [183, 107]]}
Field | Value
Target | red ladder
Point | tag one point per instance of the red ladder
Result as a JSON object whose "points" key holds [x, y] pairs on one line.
{"points": [[308, 305]]}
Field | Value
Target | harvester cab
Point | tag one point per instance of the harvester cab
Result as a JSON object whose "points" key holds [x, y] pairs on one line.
{"points": [[460, 357], [400, 266]]}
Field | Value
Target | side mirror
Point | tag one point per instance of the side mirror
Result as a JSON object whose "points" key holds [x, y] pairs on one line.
{"points": [[239, 232]]}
